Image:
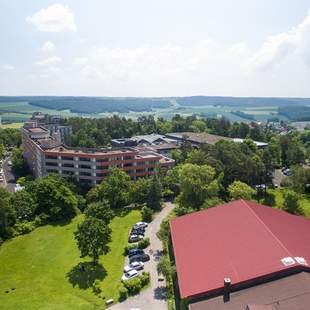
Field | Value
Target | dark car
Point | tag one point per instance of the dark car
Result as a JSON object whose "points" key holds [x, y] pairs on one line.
{"points": [[139, 258], [137, 232], [133, 252], [134, 238]]}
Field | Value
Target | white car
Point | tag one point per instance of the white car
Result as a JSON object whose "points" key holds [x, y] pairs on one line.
{"points": [[140, 225], [129, 275], [134, 266], [9, 163], [1, 179]]}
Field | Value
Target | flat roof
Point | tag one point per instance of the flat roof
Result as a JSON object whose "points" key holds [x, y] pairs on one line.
{"points": [[241, 240], [289, 293], [37, 129]]}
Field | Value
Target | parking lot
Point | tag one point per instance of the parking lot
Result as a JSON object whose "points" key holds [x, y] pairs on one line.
{"points": [[152, 298]]}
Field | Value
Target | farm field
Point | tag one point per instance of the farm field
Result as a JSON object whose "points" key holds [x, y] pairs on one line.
{"points": [[40, 270], [20, 111]]}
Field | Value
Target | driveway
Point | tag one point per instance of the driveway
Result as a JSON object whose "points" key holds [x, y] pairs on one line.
{"points": [[153, 297]]}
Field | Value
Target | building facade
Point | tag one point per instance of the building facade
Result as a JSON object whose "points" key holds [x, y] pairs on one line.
{"points": [[45, 153]]}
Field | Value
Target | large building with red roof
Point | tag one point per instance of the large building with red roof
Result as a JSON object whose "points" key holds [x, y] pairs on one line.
{"points": [[242, 241]]}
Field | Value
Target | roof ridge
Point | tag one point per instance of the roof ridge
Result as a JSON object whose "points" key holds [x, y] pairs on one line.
{"points": [[267, 228]]}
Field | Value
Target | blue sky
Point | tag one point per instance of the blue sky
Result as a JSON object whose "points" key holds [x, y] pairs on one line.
{"points": [[155, 48]]}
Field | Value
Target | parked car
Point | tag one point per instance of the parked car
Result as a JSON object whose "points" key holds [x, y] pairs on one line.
{"points": [[133, 252], [137, 232], [134, 265], [1, 178], [139, 258], [9, 163], [129, 275], [140, 225], [134, 238]]}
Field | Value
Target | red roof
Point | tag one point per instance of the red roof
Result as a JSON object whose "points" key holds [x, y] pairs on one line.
{"points": [[241, 240]]}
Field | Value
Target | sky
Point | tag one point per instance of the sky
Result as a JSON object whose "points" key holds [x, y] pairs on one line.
{"points": [[155, 47]]}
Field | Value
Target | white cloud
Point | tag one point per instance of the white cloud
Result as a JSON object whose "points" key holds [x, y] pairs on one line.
{"points": [[55, 18], [48, 46], [8, 67], [295, 42], [51, 61], [80, 61]]}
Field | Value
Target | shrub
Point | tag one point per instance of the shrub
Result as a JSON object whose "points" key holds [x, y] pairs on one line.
{"points": [[145, 278], [24, 227], [147, 214], [143, 244], [123, 293], [133, 285]]}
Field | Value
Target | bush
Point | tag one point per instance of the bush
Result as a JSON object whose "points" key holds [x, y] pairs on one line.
{"points": [[22, 228], [133, 285], [143, 244], [147, 214], [123, 293], [145, 278]]}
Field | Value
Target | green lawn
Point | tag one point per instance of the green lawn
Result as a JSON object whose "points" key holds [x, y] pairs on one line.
{"points": [[304, 201], [39, 270]]}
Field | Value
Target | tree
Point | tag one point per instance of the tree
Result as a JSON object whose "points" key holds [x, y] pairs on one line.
{"points": [[147, 214], [7, 216], [53, 198], [93, 236], [19, 165], [139, 190], [240, 190], [154, 193], [100, 210], [291, 202], [197, 183], [116, 188], [164, 267], [24, 205]]}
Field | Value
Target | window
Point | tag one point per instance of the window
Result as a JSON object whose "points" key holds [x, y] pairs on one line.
{"points": [[51, 157], [67, 172], [85, 166], [52, 171], [140, 170], [66, 158], [128, 165], [101, 160], [88, 174], [128, 157], [101, 175], [51, 164], [84, 159], [68, 165]]}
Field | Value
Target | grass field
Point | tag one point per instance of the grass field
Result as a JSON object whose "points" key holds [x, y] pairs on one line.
{"points": [[304, 201], [39, 270], [12, 125]]}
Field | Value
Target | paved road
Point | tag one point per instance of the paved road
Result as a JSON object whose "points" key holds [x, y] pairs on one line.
{"points": [[153, 297], [10, 180]]}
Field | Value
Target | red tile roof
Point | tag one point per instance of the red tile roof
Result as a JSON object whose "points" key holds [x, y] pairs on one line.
{"points": [[241, 240]]}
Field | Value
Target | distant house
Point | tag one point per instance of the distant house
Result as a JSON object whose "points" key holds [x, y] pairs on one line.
{"points": [[242, 255]]}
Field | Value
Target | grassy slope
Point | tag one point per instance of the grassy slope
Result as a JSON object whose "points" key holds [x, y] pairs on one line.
{"points": [[37, 265]]}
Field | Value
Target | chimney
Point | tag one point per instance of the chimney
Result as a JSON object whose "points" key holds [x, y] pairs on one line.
{"points": [[227, 285]]}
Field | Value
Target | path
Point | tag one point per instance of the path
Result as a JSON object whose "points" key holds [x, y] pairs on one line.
{"points": [[152, 298]]}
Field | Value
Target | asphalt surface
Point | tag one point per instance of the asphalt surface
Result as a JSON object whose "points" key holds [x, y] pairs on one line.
{"points": [[9, 178], [153, 298]]}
